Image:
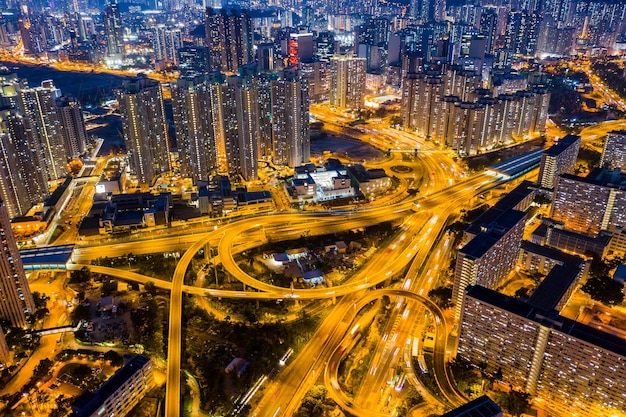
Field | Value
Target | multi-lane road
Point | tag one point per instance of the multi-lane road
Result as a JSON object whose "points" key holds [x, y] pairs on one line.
{"points": [[422, 225]]}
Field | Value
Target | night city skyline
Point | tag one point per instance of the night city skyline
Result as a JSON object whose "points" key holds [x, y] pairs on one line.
{"points": [[313, 208]]}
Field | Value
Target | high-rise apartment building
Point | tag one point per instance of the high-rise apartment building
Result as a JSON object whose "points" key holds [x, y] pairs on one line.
{"points": [[450, 109], [317, 75], [192, 61], [228, 39], [145, 128], [72, 126], [290, 107], [166, 43], [195, 129], [347, 82], [325, 46], [614, 152], [489, 28], [559, 159], [590, 204], [572, 369], [490, 256], [263, 84], [522, 32], [241, 127], [23, 180], [300, 48], [16, 301], [112, 20], [40, 105]]}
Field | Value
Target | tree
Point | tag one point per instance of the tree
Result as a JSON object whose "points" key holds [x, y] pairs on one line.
{"points": [[150, 288], [315, 403], [40, 299], [516, 402], [81, 312], [442, 296], [522, 293], [42, 368], [81, 276], [604, 290], [115, 358], [395, 120]]}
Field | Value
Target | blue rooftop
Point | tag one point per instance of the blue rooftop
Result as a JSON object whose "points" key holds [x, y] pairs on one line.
{"points": [[520, 164], [44, 258]]}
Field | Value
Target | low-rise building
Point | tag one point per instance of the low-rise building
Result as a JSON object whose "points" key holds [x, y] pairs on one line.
{"points": [[369, 182], [120, 393]]}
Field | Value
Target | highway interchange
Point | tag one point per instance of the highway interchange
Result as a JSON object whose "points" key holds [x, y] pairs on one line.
{"points": [[420, 245]]}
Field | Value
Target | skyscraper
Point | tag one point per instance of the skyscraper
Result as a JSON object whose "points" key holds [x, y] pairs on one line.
{"points": [[193, 120], [39, 104], [145, 128], [590, 204], [522, 32], [559, 159], [113, 30], [192, 61], [16, 301], [22, 178], [166, 44], [72, 126], [347, 82], [228, 39], [573, 369], [489, 28], [614, 152], [489, 257], [290, 106], [241, 127]]}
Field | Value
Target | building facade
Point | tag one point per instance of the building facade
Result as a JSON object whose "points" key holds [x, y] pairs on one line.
{"points": [[193, 106], [559, 159], [572, 369], [16, 301], [120, 393], [23, 181], [614, 152], [228, 39], [590, 204], [347, 82], [290, 109], [145, 128], [489, 257]]}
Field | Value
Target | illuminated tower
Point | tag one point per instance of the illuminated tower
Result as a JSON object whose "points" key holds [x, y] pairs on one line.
{"points": [[22, 179], [166, 43], [228, 39], [347, 82], [195, 134], [290, 105], [72, 126], [113, 31], [145, 128], [241, 127], [16, 301], [39, 104], [614, 152]]}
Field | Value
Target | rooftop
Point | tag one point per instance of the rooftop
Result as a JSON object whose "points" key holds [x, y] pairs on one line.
{"points": [[89, 402], [51, 255], [549, 318], [480, 407], [514, 166]]}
